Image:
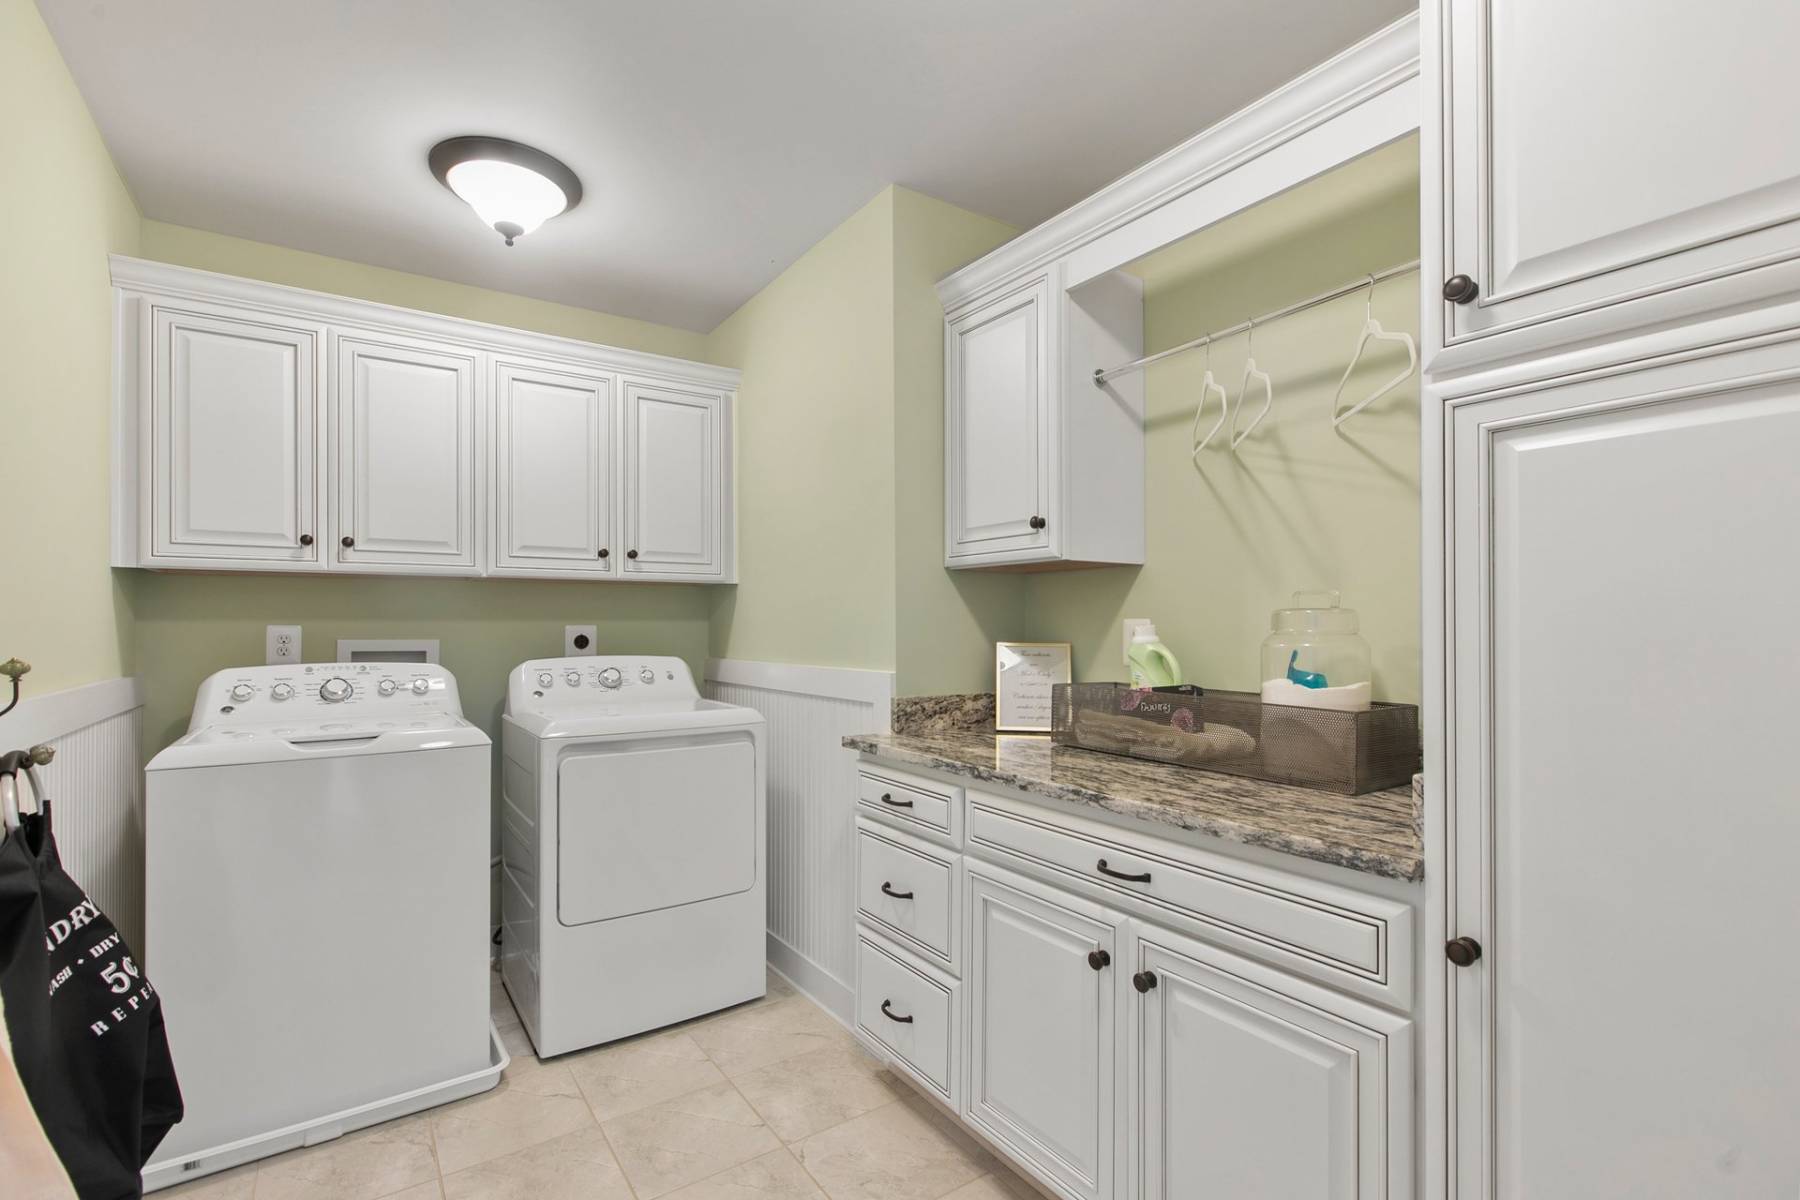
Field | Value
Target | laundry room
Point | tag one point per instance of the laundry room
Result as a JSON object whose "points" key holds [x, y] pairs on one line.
{"points": [[802, 601]]}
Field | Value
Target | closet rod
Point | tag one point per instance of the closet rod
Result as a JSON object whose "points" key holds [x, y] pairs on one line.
{"points": [[1138, 364]]}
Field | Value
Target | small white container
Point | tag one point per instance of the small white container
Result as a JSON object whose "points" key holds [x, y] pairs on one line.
{"points": [[1314, 657]]}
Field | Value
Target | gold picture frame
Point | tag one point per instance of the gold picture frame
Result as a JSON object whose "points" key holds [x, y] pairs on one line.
{"points": [[1024, 673]]}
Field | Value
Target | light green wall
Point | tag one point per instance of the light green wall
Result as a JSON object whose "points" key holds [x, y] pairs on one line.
{"points": [[946, 621], [62, 209], [189, 625], [1300, 505], [297, 268], [815, 479]]}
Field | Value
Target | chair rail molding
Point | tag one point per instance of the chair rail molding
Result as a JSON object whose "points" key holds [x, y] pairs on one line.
{"points": [[1382, 68]]}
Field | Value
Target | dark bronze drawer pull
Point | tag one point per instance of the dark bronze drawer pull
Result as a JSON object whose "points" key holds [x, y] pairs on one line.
{"points": [[889, 1014], [1099, 959], [1106, 870], [1143, 981], [888, 798], [888, 890]]}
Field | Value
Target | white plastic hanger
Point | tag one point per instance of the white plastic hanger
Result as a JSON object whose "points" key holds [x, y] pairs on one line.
{"points": [[9, 803], [1262, 377], [1208, 386], [1372, 332]]}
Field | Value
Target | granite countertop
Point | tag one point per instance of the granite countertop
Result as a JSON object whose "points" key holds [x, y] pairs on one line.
{"points": [[1377, 833]]}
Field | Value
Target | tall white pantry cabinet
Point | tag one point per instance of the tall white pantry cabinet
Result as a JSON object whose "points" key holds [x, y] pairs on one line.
{"points": [[1612, 299], [266, 428]]}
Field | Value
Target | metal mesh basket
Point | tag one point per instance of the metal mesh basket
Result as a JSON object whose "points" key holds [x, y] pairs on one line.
{"points": [[1236, 733]]}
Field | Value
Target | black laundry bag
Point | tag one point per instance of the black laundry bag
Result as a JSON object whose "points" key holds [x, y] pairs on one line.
{"points": [[85, 1026]]}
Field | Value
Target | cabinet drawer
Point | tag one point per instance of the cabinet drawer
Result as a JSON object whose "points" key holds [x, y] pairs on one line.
{"points": [[912, 800], [906, 890], [1246, 903], [908, 1012]]}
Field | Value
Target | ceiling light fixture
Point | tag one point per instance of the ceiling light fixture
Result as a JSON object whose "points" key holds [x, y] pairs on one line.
{"points": [[512, 187]]}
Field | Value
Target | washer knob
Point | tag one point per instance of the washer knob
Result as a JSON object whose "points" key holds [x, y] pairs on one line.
{"points": [[545, 679], [281, 691], [610, 678], [387, 687], [334, 690], [647, 675], [242, 692], [421, 686], [572, 678]]}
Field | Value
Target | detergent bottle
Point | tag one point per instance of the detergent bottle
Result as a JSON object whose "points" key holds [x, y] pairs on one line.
{"points": [[1151, 663]]}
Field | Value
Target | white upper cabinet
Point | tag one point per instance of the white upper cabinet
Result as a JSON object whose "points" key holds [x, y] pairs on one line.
{"points": [[408, 484], [1242, 1089], [231, 469], [1041, 1029], [554, 442], [264, 428], [997, 433], [676, 524], [1598, 157]]}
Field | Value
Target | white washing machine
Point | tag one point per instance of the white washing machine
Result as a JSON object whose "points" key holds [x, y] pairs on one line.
{"points": [[632, 848], [316, 903]]}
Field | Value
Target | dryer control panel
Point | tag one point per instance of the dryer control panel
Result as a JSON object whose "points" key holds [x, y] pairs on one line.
{"points": [[310, 692], [616, 681]]}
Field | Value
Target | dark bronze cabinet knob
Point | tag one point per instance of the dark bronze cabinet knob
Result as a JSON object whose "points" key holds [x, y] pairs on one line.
{"points": [[1038, 522], [631, 554], [605, 554], [347, 541], [306, 539], [1143, 981], [1462, 951], [1460, 289], [1099, 959]]}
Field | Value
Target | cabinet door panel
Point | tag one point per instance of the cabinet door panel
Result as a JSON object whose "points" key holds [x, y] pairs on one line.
{"points": [[235, 412], [554, 481], [1247, 1092], [1041, 1031], [1612, 149], [406, 469], [998, 413], [674, 472], [1623, 792]]}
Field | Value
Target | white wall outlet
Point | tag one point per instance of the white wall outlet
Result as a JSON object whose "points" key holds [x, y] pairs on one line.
{"points": [[578, 639], [281, 644], [1130, 627]]}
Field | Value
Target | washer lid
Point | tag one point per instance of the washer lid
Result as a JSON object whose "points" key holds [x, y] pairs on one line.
{"points": [[231, 745]]}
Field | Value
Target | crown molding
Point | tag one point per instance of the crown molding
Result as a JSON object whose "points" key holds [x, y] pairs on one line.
{"points": [[186, 283], [1379, 63]]}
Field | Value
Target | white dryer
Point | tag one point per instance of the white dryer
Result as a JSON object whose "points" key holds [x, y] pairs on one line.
{"points": [[316, 907], [632, 848]]}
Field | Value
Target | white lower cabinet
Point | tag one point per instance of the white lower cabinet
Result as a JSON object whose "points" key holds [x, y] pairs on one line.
{"points": [[1108, 1055], [1041, 1030], [1248, 1084]]}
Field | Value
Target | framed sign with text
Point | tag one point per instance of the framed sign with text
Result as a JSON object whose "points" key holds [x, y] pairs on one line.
{"points": [[1024, 673]]}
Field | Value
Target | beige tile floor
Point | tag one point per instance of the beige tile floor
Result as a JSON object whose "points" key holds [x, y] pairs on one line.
{"points": [[772, 1100]]}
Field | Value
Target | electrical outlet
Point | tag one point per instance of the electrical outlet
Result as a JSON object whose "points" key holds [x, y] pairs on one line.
{"points": [[281, 644], [578, 639], [1130, 627]]}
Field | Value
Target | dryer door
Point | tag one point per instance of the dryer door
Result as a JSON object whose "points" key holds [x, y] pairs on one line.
{"points": [[652, 826]]}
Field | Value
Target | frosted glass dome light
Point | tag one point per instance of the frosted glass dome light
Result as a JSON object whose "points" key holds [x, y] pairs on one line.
{"points": [[512, 187]]}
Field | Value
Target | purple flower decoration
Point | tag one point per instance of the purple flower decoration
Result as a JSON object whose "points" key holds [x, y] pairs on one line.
{"points": [[1130, 700], [1182, 719]]}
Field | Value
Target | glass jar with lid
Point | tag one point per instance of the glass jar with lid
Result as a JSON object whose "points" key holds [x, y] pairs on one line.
{"points": [[1314, 657]]}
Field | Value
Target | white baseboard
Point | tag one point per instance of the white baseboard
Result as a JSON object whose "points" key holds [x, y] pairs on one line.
{"points": [[814, 982]]}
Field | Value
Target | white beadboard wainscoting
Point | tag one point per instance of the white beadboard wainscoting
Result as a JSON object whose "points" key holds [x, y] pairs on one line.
{"points": [[812, 780], [96, 786]]}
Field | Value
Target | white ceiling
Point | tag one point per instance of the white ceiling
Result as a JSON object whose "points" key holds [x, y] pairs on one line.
{"points": [[716, 139]]}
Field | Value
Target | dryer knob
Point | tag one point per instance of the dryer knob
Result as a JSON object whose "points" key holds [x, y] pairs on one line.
{"points": [[387, 687], [281, 691], [610, 678], [242, 692], [421, 686], [334, 690], [647, 676], [545, 679], [572, 678]]}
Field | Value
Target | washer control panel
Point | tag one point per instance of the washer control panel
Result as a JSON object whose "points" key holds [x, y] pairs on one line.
{"points": [[613, 680], [310, 691]]}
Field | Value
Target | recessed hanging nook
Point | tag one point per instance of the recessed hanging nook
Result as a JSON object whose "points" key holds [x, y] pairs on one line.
{"points": [[513, 188]]}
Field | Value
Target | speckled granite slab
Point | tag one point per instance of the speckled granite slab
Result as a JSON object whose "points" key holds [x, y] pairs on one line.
{"points": [[1374, 833], [943, 714]]}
